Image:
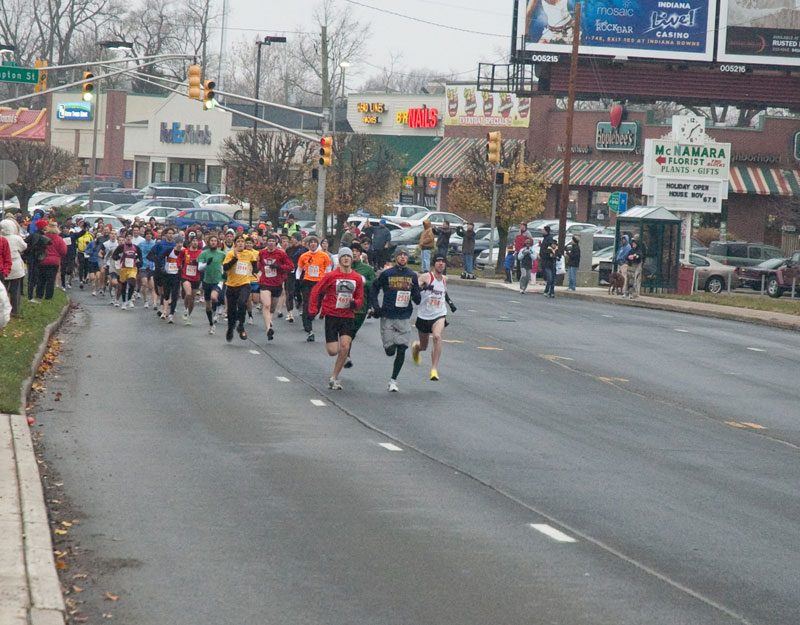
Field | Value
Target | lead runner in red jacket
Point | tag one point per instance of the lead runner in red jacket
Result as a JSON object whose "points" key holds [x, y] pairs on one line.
{"points": [[342, 293], [273, 267]]}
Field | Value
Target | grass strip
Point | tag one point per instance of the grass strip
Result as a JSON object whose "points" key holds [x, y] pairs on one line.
{"points": [[751, 302]]}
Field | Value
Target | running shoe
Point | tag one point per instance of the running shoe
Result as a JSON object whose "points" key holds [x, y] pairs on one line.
{"points": [[81, 285], [187, 321], [250, 320], [334, 384], [211, 330], [229, 335], [124, 306], [415, 355], [171, 319], [270, 334], [147, 304], [131, 305], [116, 303], [310, 337], [393, 387], [69, 285], [94, 293], [290, 318], [280, 314], [185, 316], [434, 375], [242, 333], [348, 364], [102, 292]]}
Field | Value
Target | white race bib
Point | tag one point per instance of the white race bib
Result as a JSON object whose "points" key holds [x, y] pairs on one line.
{"points": [[191, 270], [129, 263], [270, 271], [402, 299], [435, 302], [313, 271], [172, 267], [343, 300], [242, 268], [67, 241]]}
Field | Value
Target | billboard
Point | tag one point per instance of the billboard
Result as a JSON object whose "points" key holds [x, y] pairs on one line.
{"points": [[654, 29], [765, 32], [74, 111], [466, 106]]}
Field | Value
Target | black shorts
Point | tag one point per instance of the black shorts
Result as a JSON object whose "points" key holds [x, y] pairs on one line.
{"points": [[92, 267], [339, 326], [209, 288], [426, 325], [275, 290], [160, 277], [193, 284]]}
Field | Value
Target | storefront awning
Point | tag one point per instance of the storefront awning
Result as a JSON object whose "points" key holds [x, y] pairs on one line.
{"points": [[596, 173], [449, 158], [23, 124], [764, 180]]}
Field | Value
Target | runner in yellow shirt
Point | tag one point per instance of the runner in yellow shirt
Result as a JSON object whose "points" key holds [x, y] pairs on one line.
{"points": [[240, 265]]}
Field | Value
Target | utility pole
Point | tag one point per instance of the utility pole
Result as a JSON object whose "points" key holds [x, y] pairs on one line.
{"points": [[326, 98], [489, 269], [573, 71]]}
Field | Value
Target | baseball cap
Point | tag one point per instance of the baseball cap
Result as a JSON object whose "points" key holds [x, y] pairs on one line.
{"points": [[441, 257]]}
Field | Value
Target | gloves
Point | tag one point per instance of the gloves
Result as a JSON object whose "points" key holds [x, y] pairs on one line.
{"points": [[452, 306], [353, 304], [377, 313]]}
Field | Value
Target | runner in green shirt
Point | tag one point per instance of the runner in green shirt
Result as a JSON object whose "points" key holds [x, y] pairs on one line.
{"points": [[210, 264]]}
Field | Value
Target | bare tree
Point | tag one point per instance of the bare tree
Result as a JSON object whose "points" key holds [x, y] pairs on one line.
{"points": [[40, 166]]}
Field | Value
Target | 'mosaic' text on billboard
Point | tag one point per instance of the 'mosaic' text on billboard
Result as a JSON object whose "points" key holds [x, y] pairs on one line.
{"points": [[657, 29]]}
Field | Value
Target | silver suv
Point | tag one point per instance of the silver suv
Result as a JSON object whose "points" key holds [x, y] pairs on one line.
{"points": [[742, 253]]}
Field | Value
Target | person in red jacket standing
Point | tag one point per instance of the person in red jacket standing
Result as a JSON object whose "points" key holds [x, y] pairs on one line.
{"points": [[5, 259], [50, 264], [273, 266], [342, 293], [519, 243]]}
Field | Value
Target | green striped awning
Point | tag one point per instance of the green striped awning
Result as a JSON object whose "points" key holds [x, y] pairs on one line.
{"points": [[596, 173], [449, 158], [764, 180]]}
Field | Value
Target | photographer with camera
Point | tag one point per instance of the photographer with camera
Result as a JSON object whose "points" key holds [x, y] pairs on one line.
{"points": [[432, 314]]}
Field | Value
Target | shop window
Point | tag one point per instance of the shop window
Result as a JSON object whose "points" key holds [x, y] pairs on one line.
{"points": [[572, 205], [598, 211], [215, 178], [159, 172], [140, 179]]}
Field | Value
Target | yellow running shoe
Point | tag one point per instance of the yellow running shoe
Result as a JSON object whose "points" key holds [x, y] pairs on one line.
{"points": [[434, 375], [415, 356]]}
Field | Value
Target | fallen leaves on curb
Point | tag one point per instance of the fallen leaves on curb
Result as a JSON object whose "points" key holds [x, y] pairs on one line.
{"points": [[61, 565], [111, 597]]}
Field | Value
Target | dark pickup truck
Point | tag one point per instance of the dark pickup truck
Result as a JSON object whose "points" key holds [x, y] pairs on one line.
{"points": [[777, 275]]}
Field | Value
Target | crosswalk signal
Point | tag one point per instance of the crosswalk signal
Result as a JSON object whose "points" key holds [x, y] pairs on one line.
{"points": [[195, 83], [42, 84], [209, 95], [326, 151], [88, 87], [494, 147], [502, 177]]}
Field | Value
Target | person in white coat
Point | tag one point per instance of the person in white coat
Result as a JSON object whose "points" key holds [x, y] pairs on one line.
{"points": [[9, 228]]}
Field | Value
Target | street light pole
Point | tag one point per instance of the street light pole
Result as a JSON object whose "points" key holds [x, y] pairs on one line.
{"points": [[267, 42], [343, 65]]}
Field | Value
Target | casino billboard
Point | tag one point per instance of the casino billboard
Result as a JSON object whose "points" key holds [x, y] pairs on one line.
{"points": [[765, 32], [654, 29]]}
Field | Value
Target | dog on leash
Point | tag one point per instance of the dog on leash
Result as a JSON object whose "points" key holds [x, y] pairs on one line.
{"points": [[615, 283]]}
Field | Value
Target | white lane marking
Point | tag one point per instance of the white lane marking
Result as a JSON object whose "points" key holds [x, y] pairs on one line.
{"points": [[317, 402], [681, 330], [391, 447], [513, 301], [756, 349], [470, 310], [254, 351], [281, 378], [608, 316], [552, 532]]}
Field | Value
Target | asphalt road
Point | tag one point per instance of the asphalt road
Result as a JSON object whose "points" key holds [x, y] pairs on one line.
{"points": [[212, 488]]}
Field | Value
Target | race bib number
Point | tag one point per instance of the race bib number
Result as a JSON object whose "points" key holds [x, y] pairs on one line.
{"points": [[343, 300], [242, 268], [313, 271], [172, 267], [435, 302], [129, 263], [191, 270], [67, 241], [402, 299], [270, 271]]}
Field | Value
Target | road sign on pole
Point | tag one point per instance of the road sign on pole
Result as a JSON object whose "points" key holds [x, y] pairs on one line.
{"points": [[13, 73], [618, 201]]}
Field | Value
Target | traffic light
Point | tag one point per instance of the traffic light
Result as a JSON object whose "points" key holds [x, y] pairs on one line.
{"points": [[195, 83], [502, 177], [42, 84], [494, 148], [326, 151], [88, 87], [208, 94]]}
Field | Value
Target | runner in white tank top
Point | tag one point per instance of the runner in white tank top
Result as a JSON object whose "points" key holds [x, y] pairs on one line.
{"points": [[432, 314]]}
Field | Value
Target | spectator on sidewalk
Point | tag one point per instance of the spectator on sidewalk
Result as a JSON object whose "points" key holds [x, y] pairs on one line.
{"points": [[443, 239], [634, 270], [519, 242], [549, 256], [468, 249], [381, 238], [573, 252], [51, 263], [509, 262], [427, 240], [525, 260], [621, 259], [38, 243]]}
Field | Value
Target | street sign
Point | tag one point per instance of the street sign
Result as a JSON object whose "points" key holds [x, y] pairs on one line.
{"points": [[8, 172], [13, 73], [668, 158], [618, 201], [684, 194]]}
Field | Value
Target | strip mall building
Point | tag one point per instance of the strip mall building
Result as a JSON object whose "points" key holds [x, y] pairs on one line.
{"points": [[764, 182]]}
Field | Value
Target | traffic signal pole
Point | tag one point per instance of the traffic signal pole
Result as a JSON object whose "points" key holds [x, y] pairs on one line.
{"points": [[489, 269]]}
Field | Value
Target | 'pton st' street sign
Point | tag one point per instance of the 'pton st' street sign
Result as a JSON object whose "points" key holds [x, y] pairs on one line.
{"points": [[13, 73]]}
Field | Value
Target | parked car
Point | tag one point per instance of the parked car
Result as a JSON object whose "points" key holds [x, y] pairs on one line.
{"points": [[399, 213], [109, 220], [301, 209], [44, 203], [785, 277], [483, 259], [160, 213], [200, 187], [363, 222], [153, 191], [139, 208], [117, 208], [100, 180], [712, 276], [752, 276], [406, 237], [603, 263], [225, 204], [212, 218], [742, 253], [437, 218]]}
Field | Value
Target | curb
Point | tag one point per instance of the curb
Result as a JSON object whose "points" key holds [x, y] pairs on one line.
{"points": [[44, 587], [765, 319]]}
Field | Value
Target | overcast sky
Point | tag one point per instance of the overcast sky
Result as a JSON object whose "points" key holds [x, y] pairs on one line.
{"points": [[423, 45]]}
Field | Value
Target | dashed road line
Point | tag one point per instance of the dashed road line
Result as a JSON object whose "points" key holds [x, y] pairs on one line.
{"points": [[755, 426], [491, 349], [451, 341], [608, 316], [552, 532], [317, 402], [281, 378], [756, 349], [681, 330], [391, 447], [254, 351]]}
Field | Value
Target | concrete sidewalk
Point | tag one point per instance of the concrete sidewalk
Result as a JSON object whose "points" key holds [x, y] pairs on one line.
{"points": [[759, 317]]}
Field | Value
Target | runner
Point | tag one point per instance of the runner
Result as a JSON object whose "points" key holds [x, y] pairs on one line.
{"points": [[250, 246], [312, 265], [146, 272], [83, 239], [294, 251], [130, 258], [157, 255], [400, 287], [173, 260], [239, 264], [274, 265], [342, 293], [210, 264], [432, 314], [92, 255], [190, 277], [68, 261], [362, 267], [110, 269]]}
